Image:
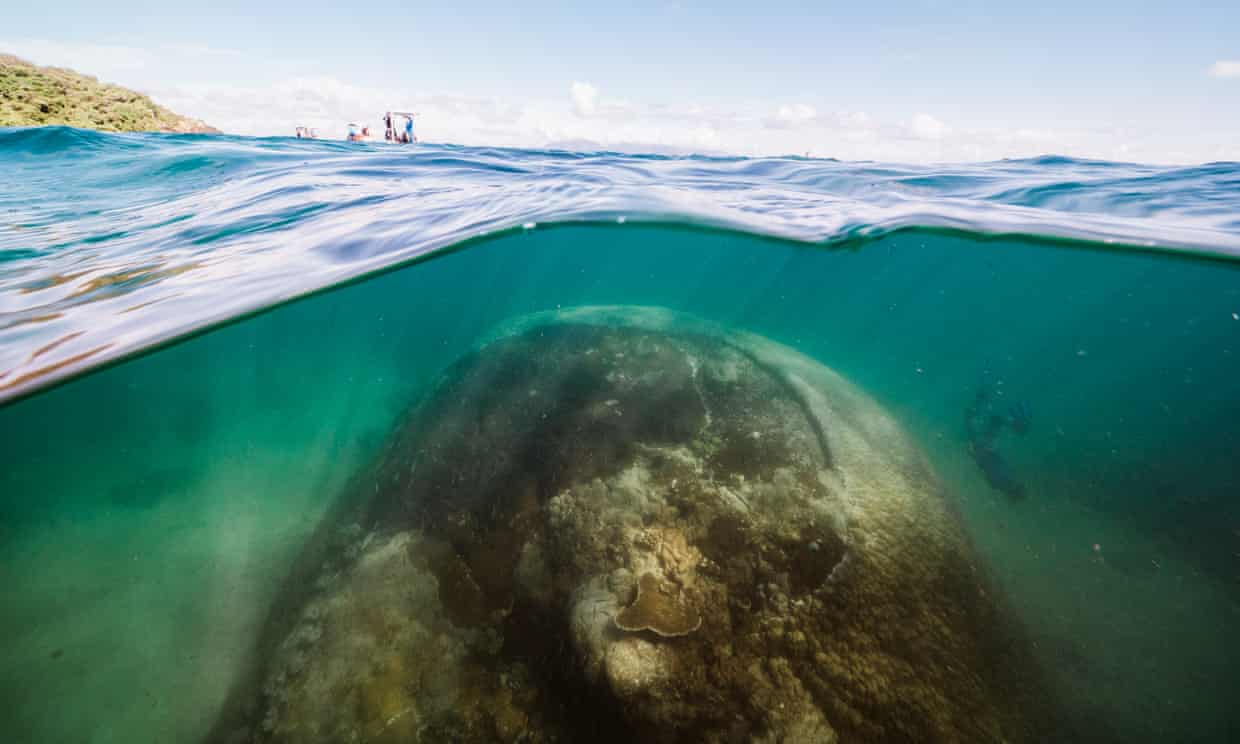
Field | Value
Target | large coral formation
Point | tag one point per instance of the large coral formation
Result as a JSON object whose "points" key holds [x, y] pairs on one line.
{"points": [[626, 525]]}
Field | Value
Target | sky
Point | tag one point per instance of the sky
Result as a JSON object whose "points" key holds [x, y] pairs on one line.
{"points": [[920, 81]]}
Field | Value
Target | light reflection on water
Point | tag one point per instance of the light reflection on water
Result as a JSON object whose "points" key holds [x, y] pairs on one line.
{"points": [[221, 226]]}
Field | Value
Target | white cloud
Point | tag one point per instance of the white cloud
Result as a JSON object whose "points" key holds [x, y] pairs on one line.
{"points": [[925, 126], [101, 60], [1225, 68], [854, 119], [327, 103], [585, 98], [118, 62], [195, 81], [794, 114]]}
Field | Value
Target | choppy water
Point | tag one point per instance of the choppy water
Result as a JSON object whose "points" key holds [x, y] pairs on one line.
{"points": [[151, 511]]}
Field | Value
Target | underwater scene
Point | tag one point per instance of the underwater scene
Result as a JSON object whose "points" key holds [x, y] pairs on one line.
{"points": [[304, 442]]}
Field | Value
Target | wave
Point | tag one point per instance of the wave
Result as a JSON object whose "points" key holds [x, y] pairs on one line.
{"points": [[110, 243]]}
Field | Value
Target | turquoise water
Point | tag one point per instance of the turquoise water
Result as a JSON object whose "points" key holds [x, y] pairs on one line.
{"points": [[153, 511]]}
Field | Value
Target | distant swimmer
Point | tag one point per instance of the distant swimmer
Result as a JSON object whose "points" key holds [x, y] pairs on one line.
{"points": [[984, 420]]}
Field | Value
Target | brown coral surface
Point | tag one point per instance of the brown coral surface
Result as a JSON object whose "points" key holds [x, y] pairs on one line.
{"points": [[659, 610], [621, 524]]}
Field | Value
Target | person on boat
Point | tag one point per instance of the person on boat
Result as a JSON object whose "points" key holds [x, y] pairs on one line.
{"points": [[409, 138], [354, 133]]}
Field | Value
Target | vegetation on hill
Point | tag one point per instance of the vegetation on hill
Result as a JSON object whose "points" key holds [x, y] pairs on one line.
{"points": [[38, 96]]}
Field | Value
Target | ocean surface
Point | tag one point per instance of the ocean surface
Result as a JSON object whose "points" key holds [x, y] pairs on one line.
{"points": [[208, 342]]}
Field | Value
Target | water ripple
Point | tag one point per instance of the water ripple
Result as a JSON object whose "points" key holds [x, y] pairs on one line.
{"points": [[109, 243]]}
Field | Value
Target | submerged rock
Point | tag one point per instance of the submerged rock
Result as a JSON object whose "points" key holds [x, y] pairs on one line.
{"points": [[622, 524]]}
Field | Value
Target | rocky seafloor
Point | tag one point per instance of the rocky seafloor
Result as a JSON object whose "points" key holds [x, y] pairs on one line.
{"points": [[621, 524]]}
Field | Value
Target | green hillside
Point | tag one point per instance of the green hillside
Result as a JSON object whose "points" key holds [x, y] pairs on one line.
{"points": [[37, 96]]}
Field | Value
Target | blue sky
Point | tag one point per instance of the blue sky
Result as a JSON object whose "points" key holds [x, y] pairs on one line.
{"points": [[911, 80]]}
